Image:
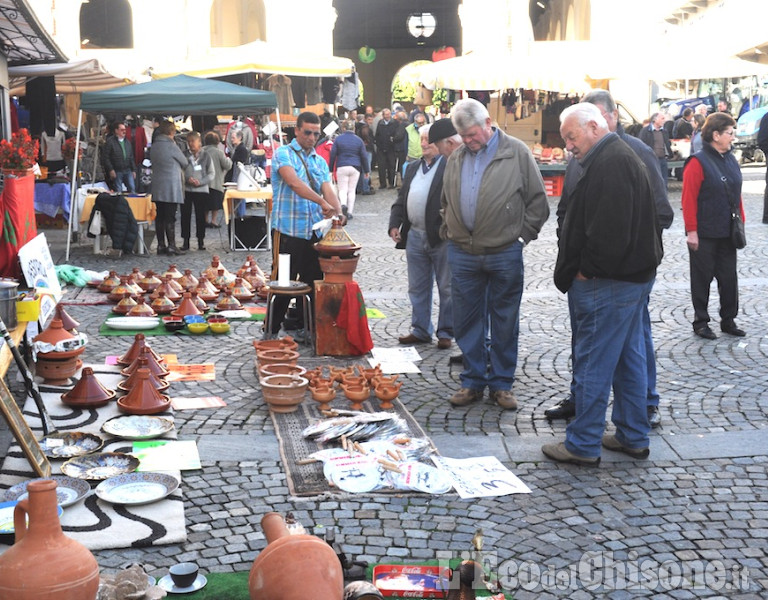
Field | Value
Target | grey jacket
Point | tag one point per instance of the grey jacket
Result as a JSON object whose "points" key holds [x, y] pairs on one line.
{"points": [[512, 202], [168, 164], [204, 174], [221, 164]]}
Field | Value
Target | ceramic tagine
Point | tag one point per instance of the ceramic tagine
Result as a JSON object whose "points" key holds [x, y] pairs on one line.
{"points": [[228, 302], [240, 290], [66, 320], [118, 292], [150, 281], [162, 305], [133, 284], [137, 274], [173, 272], [142, 309], [223, 279], [44, 564], [152, 364], [144, 399], [212, 271], [170, 293], [139, 342], [337, 242], [126, 304], [110, 282], [143, 363], [201, 304], [188, 281], [89, 392], [53, 334], [206, 290], [187, 307], [173, 283]]}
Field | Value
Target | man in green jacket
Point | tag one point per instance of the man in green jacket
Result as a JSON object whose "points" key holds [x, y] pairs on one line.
{"points": [[493, 204]]}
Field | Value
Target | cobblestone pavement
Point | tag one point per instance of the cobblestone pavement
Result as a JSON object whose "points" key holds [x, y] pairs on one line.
{"points": [[696, 511]]}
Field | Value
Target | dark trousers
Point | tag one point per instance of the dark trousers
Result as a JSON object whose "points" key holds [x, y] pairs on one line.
{"points": [[765, 199], [387, 166], [199, 201], [715, 258], [165, 219], [305, 267]]}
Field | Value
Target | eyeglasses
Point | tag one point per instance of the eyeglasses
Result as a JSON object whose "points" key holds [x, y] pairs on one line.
{"points": [[308, 132]]}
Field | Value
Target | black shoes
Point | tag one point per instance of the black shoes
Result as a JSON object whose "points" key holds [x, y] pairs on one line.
{"points": [[565, 409], [705, 332], [731, 329], [654, 417]]}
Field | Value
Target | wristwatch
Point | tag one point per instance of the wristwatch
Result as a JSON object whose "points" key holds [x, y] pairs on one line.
{"points": [[521, 240]]}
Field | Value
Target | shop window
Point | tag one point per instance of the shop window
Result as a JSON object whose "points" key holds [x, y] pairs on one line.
{"points": [[237, 22], [106, 24]]}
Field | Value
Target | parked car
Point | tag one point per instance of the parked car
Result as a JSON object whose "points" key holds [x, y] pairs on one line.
{"points": [[745, 144]]}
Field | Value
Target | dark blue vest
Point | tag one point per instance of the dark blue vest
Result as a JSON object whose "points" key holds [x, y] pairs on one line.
{"points": [[720, 190]]}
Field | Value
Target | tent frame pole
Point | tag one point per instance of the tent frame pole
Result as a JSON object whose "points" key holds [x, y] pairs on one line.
{"points": [[74, 209]]}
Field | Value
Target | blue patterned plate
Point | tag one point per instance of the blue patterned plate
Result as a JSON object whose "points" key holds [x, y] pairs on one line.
{"points": [[70, 443], [68, 489], [137, 427], [100, 466], [6, 516], [137, 488]]}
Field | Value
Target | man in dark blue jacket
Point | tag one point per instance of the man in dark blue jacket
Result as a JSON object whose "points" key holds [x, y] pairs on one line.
{"points": [[762, 143]]}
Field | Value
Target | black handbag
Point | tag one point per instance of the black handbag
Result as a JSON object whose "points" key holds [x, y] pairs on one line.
{"points": [[738, 235]]}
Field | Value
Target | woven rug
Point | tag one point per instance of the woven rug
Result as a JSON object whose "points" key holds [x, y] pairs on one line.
{"points": [[308, 480], [92, 522], [86, 296]]}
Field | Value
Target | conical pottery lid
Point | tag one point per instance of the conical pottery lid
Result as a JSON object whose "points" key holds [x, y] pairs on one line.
{"points": [[205, 282], [152, 364], [240, 290], [255, 278], [187, 307], [134, 285], [110, 282], [67, 321], [137, 274], [150, 281], [228, 302], [118, 291], [173, 272], [142, 309], [212, 271], [126, 304], [188, 281], [142, 363], [337, 242], [198, 301], [173, 283], [53, 334], [170, 293], [240, 281], [205, 293], [223, 279], [162, 302], [89, 392], [144, 399], [139, 342]]}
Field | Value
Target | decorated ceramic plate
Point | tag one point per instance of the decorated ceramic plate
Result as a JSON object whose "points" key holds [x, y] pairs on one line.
{"points": [[68, 489], [132, 323], [421, 477], [100, 466], [70, 443], [6, 516], [138, 427], [167, 584], [136, 488]]}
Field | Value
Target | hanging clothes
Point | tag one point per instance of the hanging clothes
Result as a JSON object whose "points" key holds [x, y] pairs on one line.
{"points": [[330, 87], [350, 91], [299, 90], [314, 90], [281, 86]]}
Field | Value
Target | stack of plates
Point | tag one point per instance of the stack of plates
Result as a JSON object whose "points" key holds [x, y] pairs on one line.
{"points": [[132, 323]]}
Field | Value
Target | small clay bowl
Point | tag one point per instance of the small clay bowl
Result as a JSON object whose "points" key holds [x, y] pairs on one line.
{"points": [[282, 369], [174, 324], [194, 319], [197, 328], [217, 327]]}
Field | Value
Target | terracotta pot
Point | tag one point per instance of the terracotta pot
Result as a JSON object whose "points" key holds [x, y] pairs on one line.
{"points": [[57, 372], [384, 380], [188, 281], [228, 302], [126, 304], [44, 564], [88, 392], [324, 395], [139, 342], [142, 363], [173, 272], [282, 369], [150, 282], [152, 364], [386, 392], [283, 393], [144, 399], [54, 334], [311, 561], [271, 357], [337, 269], [286, 343], [67, 322], [357, 394], [162, 305]]}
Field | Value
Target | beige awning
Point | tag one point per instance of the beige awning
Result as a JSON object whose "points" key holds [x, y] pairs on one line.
{"points": [[72, 77]]}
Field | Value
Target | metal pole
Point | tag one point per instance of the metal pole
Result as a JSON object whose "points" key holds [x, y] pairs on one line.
{"points": [[73, 209]]}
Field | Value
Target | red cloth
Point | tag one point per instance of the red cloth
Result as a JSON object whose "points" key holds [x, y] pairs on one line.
{"points": [[17, 208], [353, 318]]}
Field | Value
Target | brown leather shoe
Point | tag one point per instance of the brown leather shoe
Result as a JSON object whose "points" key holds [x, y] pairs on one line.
{"points": [[444, 343], [466, 396], [560, 453], [611, 443], [504, 398], [411, 339]]}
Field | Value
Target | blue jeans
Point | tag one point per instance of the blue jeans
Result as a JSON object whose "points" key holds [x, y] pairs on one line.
{"points": [[608, 351], [126, 178], [367, 180], [487, 286], [650, 355], [425, 265]]}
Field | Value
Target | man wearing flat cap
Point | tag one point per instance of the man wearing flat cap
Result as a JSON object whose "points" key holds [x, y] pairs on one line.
{"points": [[414, 224]]}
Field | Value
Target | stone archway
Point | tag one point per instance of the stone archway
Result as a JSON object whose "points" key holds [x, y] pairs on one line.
{"points": [[237, 22]]}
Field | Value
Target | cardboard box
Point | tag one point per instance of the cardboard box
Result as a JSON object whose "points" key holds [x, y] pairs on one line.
{"points": [[28, 309], [411, 581]]}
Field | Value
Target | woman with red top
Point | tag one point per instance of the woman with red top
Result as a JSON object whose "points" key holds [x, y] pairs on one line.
{"points": [[711, 191]]}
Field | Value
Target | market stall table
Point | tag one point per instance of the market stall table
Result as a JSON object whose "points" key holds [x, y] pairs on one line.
{"points": [[143, 209], [260, 197], [52, 197]]}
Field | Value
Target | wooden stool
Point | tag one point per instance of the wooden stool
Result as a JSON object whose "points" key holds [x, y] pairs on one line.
{"points": [[298, 290]]}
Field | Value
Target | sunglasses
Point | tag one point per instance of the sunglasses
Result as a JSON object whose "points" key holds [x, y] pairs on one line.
{"points": [[308, 132]]}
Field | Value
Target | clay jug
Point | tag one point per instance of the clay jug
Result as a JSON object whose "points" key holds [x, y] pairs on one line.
{"points": [[312, 562], [44, 564]]}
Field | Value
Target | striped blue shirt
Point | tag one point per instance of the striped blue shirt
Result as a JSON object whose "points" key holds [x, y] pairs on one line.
{"points": [[291, 214]]}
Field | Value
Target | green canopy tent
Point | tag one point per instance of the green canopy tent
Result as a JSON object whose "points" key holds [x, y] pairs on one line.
{"points": [[180, 94]]}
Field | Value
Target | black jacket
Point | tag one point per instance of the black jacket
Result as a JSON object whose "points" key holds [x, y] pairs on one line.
{"points": [[119, 220], [113, 156], [762, 135], [610, 228], [646, 135], [398, 215], [385, 134]]}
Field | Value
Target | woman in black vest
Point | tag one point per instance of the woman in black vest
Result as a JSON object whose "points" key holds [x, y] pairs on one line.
{"points": [[711, 193]]}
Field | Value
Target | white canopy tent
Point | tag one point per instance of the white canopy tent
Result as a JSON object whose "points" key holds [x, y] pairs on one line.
{"points": [[71, 78]]}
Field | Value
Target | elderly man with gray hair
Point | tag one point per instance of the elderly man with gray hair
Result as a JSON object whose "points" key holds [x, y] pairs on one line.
{"points": [[608, 251], [493, 204]]}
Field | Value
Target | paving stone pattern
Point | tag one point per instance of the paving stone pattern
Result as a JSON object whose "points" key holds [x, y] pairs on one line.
{"points": [[582, 531]]}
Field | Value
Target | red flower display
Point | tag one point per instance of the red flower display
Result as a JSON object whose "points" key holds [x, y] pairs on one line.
{"points": [[20, 152], [68, 149]]}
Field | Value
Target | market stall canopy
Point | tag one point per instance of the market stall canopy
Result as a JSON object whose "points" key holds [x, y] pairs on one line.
{"points": [[180, 94], [261, 57], [71, 78]]}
